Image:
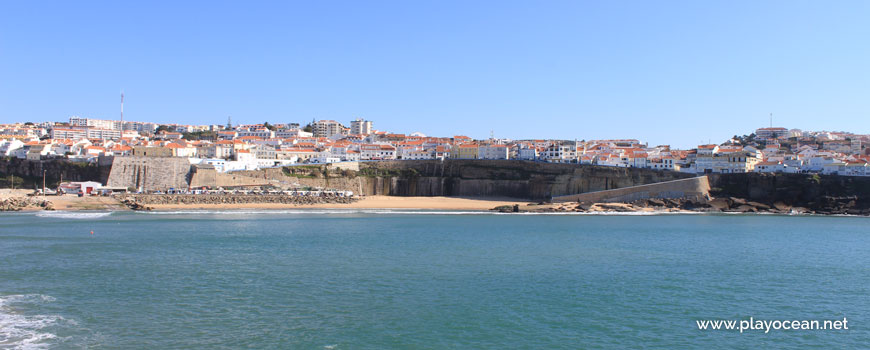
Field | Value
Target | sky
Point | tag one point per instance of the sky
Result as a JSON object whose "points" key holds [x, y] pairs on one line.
{"points": [[665, 72]]}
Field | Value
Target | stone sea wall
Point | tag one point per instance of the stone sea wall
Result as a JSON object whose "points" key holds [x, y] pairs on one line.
{"points": [[144, 200], [696, 188], [150, 173]]}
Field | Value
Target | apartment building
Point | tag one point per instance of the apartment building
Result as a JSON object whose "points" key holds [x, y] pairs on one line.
{"points": [[360, 127], [327, 128]]}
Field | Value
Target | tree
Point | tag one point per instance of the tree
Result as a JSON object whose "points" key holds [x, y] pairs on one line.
{"points": [[269, 126], [199, 135], [307, 128], [167, 128], [28, 123]]}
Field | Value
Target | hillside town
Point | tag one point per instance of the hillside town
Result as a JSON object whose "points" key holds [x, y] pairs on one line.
{"points": [[255, 146]]}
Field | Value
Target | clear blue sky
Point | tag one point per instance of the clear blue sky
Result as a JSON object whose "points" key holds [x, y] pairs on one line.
{"points": [[676, 72]]}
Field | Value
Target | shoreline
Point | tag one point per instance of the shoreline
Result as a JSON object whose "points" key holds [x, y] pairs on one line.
{"points": [[75, 203], [369, 202], [499, 205]]}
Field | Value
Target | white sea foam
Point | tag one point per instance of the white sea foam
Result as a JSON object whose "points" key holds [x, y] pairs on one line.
{"points": [[230, 212], [19, 331], [72, 215], [313, 211]]}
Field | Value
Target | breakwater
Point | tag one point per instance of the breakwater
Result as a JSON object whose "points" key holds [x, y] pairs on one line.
{"points": [[21, 203], [697, 188], [141, 201]]}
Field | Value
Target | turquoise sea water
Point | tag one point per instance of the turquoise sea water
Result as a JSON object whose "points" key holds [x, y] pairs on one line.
{"points": [[411, 280]]}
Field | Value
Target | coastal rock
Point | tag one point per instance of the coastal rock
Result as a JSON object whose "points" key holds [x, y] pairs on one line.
{"points": [[745, 209], [799, 210], [585, 206], [720, 203], [779, 205], [141, 202], [736, 202], [20, 203], [760, 206], [613, 207]]}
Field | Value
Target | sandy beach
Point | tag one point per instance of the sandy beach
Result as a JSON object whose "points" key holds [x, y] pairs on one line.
{"points": [[371, 202], [71, 202]]}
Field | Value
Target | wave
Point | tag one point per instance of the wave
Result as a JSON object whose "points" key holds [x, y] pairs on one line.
{"points": [[18, 331], [394, 212], [312, 211], [72, 215]]}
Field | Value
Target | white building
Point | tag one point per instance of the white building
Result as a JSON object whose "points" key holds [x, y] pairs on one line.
{"points": [[418, 154], [377, 152], [360, 127], [261, 132], [527, 153], [8, 147], [292, 133], [493, 152], [771, 133], [95, 123], [327, 128], [85, 132]]}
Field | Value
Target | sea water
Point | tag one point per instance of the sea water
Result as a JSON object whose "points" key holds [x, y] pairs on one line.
{"points": [[381, 279]]}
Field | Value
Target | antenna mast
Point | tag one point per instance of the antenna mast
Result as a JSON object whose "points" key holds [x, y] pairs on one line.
{"points": [[122, 113]]}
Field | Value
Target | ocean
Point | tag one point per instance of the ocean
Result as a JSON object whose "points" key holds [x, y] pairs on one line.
{"points": [[382, 279]]}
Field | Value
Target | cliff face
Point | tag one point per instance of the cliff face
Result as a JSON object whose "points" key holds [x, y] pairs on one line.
{"points": [[519, 179], [28, 174], [821, 193]]}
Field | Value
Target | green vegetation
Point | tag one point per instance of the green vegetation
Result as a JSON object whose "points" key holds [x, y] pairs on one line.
{"points": [[12, 181], [269, 126], [165, 128], [378, 172], [305, 171], [745, 140], [200, 135]]}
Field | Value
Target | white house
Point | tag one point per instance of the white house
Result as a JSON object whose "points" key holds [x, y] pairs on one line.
{"points": [[7, 147], [527, 153], [494, 152]]}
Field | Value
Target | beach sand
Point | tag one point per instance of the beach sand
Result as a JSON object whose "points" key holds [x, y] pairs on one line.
{"points": [[72, 202], [370, 202]]}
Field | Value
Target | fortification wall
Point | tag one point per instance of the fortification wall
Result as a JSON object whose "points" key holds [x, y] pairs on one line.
{"points": [[697, 188], [150, 173]]}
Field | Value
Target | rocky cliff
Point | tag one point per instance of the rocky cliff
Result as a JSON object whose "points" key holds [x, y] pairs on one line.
{"points": [[824, 194], [467, 178], [28, 173]]}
